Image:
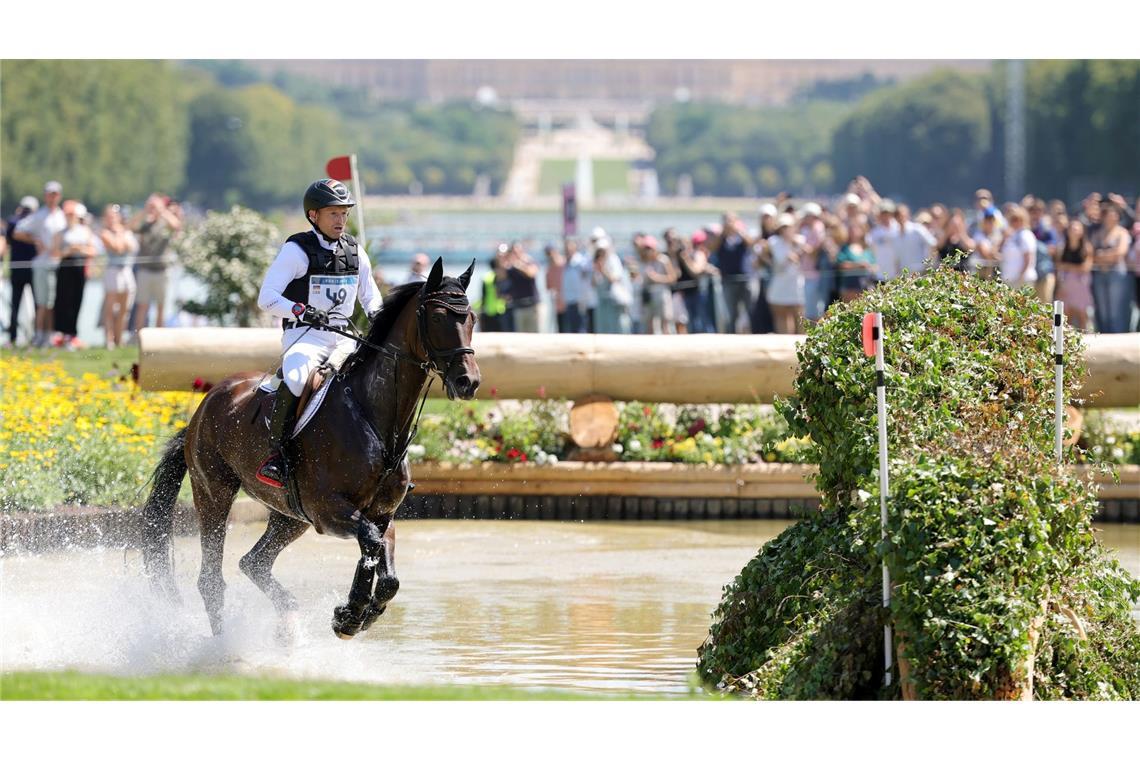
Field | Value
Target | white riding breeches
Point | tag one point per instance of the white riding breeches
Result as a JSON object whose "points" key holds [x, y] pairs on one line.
{"points": [[306, 349]]}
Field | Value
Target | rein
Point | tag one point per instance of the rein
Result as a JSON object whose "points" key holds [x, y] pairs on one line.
{"points": [[456, 303]]}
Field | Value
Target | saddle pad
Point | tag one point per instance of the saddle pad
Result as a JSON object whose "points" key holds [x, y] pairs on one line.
{"points": [[312, 404]]}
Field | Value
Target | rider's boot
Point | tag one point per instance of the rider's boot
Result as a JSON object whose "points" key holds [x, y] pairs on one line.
{"points": [[272, 470]]}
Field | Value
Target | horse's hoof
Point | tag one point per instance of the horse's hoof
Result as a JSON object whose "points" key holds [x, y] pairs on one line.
{"points": [[344, 624]]}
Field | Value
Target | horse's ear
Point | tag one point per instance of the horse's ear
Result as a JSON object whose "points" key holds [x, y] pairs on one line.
{"points": [[435, 279], [465, 278]]}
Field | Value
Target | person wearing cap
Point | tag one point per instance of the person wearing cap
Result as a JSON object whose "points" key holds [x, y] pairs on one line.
{"points": [[155, 226], [313, 283], [814, 262], [21, 253], [40, 229], [73, 248], [786, 288]]}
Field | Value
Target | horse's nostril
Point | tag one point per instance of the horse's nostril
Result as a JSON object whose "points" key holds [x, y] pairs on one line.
{"points": [[474, 387]]}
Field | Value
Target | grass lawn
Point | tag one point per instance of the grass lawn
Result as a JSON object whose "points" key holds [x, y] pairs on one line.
{"points": [[610, 176], [71, 685], [101, 361]]}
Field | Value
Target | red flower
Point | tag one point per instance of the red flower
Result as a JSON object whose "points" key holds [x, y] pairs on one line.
{"points": [[494, 391], [658, 443], [197, 383], [522, 457], [514, 453], [697, 426], [542, 391], [647, 411]]}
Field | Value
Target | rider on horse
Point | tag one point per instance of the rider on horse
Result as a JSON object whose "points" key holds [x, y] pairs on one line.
{"points": [[313, 283]]}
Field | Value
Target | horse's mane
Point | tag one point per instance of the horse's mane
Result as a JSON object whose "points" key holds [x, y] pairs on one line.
{"points": [[387, 314]]}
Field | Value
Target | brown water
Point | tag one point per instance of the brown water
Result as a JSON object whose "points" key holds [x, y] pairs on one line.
{"points": [[581, 606]]}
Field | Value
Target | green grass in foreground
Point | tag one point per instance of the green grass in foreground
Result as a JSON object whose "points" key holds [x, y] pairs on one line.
{"points": [[68, 685]]}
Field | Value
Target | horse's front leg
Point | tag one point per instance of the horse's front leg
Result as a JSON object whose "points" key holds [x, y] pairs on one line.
{"points": [[387, 584], [349, 619]]}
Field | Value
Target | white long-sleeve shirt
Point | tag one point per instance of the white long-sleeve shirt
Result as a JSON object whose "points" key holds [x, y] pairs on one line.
{"points": [[292, 263]]}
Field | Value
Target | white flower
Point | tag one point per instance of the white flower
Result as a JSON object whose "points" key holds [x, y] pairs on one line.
{"points": [[541, 457], [551, 459], [618, 448], [635, 445], [416, 451]]}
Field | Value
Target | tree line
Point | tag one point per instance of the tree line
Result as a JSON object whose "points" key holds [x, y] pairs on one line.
{"points": [[938, 137], [114, 131]]}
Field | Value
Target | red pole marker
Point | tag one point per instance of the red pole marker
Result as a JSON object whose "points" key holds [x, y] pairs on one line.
{"points": [[869, 334]]}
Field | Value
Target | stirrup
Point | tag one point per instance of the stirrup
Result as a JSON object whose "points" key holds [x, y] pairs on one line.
{"points": [[265, 471]]}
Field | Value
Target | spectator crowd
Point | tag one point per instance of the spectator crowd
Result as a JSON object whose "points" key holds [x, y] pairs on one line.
{"points": [[800, 258], [53, 249], [728, 276]]}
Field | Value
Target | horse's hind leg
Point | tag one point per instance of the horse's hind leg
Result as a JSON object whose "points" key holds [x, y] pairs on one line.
{"points": [[258, 563], [213, 499]]}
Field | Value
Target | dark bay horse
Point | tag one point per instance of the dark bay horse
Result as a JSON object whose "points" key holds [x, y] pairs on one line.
{"points": [[349, 465]]}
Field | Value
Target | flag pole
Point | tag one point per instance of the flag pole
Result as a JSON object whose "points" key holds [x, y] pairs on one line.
{"points": [[359, 203], [1059, 371]]}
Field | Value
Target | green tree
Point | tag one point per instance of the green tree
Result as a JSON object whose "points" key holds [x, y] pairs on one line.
{"points": [[923, 141], [110, 131]]}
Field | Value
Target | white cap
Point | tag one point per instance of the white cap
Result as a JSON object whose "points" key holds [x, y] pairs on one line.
{"points": [[597, 234], [30, 202], [602, 242], [768, 210], [851, 198], [785, 220], [53, 187], [811, 209], [80, 211]]}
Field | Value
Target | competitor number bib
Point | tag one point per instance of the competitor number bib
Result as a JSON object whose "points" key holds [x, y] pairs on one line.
{"points": [[334, 293]]}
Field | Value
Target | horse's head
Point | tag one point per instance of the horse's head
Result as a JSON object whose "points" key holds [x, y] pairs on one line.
{"points": [[445, 322]]}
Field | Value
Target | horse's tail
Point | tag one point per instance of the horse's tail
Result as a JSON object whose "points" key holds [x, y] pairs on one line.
{"points": [[158, 514]]}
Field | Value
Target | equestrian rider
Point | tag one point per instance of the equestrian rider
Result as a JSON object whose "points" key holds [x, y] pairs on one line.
{"points": [[314, 282]]}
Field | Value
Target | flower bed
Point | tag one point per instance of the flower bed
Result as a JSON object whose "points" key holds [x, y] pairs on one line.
{"points": [[79, 440]]}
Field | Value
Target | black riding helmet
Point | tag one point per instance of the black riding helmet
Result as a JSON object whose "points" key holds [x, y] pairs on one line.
{"points": [[326, 192]]}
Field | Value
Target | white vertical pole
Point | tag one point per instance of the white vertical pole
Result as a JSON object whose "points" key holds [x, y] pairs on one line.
{"points": [[359, 203], [884, 486], [1059, 370]]}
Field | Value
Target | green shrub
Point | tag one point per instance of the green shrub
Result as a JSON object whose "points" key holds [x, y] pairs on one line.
{"points": [[990, 547]]}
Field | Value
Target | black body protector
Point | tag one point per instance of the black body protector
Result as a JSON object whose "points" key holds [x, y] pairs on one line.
{"points": [[331, 277]]}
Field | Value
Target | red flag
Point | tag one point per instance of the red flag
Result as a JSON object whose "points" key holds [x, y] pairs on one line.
{"points": [[339, 168], [869, 334]]}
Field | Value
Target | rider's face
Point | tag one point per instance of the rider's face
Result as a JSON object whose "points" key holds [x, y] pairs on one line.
{"points": [[332, 221]]}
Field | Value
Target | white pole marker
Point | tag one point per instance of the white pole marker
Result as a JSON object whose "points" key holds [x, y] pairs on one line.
{"points": [[1059, 371], [361, 240], [873, 342]]}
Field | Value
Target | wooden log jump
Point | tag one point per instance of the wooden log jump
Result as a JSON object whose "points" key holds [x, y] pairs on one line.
{"points": [[655, 368]]}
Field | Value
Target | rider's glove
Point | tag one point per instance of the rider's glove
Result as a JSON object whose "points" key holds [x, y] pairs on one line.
{"points": [[309, 315]]}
